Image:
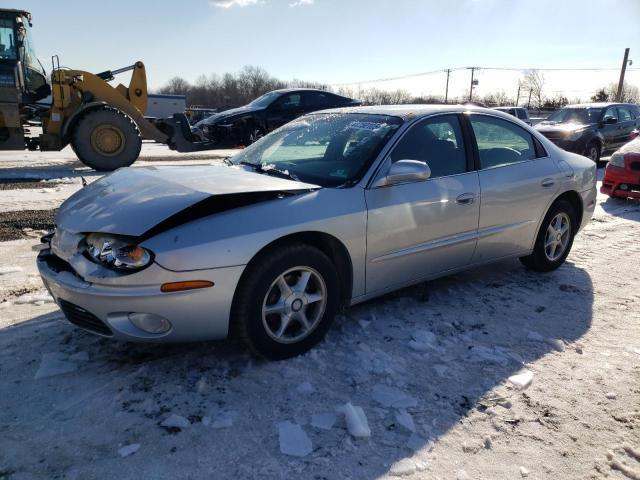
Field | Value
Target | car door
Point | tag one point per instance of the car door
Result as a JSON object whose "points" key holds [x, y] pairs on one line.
{"points": [[626, 124], [518, 180], [417, 230], [286, 108], [314, 101], [610, 131]]}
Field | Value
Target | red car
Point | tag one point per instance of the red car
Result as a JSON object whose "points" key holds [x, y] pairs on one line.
{"points": [[622, 176]]}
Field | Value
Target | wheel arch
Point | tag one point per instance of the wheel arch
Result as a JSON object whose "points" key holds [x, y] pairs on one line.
{"points": [[326, 243], [575, 200], [598, 139]]}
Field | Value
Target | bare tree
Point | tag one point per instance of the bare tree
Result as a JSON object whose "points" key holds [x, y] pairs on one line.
{"points": [[176, 86], [630, 93], [534, 82]]}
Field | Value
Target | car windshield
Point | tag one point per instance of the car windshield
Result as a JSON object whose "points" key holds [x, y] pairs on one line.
{"points": [[265, 100], [329, 149], [575, 115]]}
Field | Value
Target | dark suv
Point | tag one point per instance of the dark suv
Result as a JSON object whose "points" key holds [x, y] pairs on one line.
{"points": [[591, 129], [245, 125]]}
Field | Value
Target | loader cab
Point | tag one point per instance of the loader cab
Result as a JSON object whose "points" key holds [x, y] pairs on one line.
{"points": [[20, 68]]}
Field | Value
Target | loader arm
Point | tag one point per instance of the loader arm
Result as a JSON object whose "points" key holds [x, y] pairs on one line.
{"points": [[74, 90]]}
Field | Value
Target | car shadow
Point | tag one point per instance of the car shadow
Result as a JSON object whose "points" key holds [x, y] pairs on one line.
{"points": [[485, 324], [626, 208]]}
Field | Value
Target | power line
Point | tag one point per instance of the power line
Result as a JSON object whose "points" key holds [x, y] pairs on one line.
{"points": [[401, 77], [511, 69]]}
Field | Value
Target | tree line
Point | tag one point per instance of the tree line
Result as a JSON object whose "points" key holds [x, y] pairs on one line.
{"points": [[234, 89]]}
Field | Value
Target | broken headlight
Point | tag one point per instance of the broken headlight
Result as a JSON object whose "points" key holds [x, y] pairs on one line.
{"points": [[118, 253]]}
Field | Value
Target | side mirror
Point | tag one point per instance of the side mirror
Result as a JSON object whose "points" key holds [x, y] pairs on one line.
{"points": [[610, 120], [404, 171]]}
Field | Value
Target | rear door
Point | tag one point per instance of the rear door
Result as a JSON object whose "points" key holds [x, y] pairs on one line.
{"points": [[626, 123], [518, 180], [417, 230]]}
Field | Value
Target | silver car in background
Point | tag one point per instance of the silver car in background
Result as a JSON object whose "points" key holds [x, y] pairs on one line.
{"points": [[330, 210]]}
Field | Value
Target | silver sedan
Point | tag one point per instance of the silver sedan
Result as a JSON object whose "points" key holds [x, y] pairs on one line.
{"points": [[330, 210]]}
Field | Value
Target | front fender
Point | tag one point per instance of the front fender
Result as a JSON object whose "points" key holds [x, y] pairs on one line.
{"points": [[70, 123]]}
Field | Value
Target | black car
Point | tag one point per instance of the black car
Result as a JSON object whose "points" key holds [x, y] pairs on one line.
{"points": [[591, 129], [245, 125]]}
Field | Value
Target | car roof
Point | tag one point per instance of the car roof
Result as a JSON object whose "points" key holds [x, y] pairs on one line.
{"points": [[504, 107], [288, 90], [408, 112]]}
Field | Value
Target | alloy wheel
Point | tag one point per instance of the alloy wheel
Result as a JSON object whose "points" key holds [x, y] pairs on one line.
{"points": [[294, 305], [557, 236]]}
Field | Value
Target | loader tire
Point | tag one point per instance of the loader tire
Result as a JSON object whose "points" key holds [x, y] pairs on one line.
{"points": [[106, 139]]}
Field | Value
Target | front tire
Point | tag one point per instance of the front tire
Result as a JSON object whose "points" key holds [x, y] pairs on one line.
{"points": [[106, 139], [593, 151], [554, 239], [286, 301]]}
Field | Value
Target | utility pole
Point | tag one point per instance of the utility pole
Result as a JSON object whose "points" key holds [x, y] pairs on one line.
{"points": [[446, 91], [518, 95], [622, 72], [471, 85], [529, 101]]}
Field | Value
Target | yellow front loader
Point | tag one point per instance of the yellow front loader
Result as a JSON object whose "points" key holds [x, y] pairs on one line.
{"points": [[103, 124]]}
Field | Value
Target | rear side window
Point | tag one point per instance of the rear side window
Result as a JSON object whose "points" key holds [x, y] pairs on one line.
{"points": [[522, 114], [317, 100], [502, 143], [438, 142]]}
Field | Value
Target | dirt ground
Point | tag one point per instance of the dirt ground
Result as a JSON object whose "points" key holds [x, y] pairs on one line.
{"points": [[429, 366]]}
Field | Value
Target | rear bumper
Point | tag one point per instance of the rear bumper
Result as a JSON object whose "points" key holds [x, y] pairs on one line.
{"points": [[194, 315], [614, 177]]}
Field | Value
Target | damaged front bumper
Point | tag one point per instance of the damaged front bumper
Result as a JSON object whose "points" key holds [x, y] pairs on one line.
{"points": [[112, 308]]}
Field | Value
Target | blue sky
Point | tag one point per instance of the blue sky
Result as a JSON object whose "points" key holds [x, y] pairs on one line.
{"points": [[337, 41]]}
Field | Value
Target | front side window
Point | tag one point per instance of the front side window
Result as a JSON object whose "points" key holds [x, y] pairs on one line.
{"points": [[500, 142], [610, 113], [290, 101], [625, 114], [438, 142], [8, 49], [329, 150]]}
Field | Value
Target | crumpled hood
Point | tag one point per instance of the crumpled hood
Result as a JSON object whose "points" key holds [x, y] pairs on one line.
{"points": [[131, 201], [228, 114]]}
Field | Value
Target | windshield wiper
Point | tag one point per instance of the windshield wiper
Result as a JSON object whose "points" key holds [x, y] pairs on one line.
{"points": [[270, 170], [276, 172], [226, 161]]}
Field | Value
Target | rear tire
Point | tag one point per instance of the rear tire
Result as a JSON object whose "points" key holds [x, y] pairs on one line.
{"points": [[552, 246], [301, 311], [106, 139]]}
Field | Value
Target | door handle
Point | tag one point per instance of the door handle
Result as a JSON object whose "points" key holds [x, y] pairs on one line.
{"points": [[466, 198], [548, 182]]}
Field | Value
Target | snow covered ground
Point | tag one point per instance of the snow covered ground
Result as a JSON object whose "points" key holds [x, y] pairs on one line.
{"points": [[496, 373]]}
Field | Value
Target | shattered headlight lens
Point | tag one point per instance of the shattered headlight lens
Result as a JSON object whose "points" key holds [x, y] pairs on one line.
{"points": [[118, 253]]}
